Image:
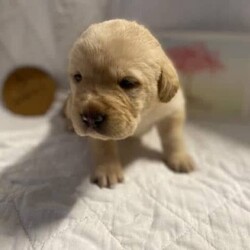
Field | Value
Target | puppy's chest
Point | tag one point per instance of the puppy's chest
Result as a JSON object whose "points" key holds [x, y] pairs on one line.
{"points": [[149, 119], [159, 112]]}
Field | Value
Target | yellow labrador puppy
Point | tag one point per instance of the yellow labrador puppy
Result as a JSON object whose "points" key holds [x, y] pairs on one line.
{"points": [[121, 84]]}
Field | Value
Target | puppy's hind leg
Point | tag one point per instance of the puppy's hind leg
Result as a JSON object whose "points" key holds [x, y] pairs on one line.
{"points": [[174, 149]]}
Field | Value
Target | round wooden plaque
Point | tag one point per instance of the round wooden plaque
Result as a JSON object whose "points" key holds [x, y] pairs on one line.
{"points": [[28, 91]]}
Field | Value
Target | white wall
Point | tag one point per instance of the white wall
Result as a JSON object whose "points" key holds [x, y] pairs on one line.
{"points": [[221, 15], [40, 32]]}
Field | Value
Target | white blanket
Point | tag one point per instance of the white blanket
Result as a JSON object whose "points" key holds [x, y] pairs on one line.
{"points": [[47, 201]]}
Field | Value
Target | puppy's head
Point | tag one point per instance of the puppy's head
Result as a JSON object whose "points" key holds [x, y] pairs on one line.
{"points": [[117, 70]]}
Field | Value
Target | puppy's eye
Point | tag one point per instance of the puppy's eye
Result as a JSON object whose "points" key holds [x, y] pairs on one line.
{"points": [[77, 77], [128, 83]]}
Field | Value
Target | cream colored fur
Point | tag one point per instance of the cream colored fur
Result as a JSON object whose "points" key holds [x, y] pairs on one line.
{"points": [[104, 54]]}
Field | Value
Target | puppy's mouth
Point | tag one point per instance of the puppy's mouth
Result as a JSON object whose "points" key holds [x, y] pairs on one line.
{"points": [[104, 128], [102, 134]]}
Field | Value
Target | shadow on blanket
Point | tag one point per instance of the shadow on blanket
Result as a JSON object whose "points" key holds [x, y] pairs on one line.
{"points": [[45, 184]]}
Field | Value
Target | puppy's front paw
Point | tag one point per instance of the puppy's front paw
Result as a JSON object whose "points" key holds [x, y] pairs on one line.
{"points": [[107, 176], [181, 163]]}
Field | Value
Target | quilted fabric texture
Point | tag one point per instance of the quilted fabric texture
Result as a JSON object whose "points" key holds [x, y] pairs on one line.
{"points": [[47, 201]]}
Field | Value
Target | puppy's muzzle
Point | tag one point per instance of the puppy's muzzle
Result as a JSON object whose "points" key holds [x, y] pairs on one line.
{"points": [[93, 119]]}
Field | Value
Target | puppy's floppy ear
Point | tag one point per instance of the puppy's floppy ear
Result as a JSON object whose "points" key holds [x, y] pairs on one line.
{"points": [[168, 83]]}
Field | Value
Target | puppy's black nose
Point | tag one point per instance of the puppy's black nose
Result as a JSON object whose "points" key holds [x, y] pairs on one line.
{"points": [[93, 120]]}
